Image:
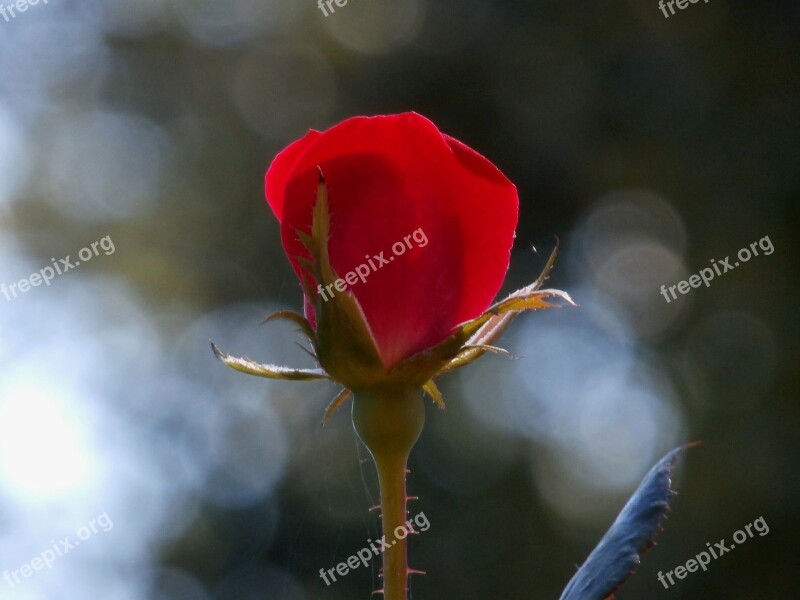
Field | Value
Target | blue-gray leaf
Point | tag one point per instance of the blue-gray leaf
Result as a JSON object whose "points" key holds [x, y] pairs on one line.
{"points": [[613, 560]]}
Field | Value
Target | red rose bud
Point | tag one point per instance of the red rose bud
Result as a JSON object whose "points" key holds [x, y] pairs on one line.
{"points": [[400, 191], [401, 237]]}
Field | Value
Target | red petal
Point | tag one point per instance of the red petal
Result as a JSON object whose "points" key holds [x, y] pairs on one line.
{"points": [[387, 178], [279, 171]]}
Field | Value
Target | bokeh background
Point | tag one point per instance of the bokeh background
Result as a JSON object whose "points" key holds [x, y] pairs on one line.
{"points": [[649, 146]]}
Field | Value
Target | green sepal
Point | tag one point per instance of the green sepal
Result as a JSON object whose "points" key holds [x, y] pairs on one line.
{"points": [[480, 333], [345, 346], [336, 404], [245, 365], [470, 353], [299, 320], [432, 390]]}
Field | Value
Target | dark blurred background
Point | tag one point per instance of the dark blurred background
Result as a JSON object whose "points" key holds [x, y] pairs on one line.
{"points": [[648, 145]]}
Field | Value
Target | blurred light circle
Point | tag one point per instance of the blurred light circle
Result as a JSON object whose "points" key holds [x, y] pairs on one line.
{"points": [[564, 360], [730, 361], [627, 215], [281, 90], [121, 18], [451, 25], [598, 414], [50, 49], [72, 579], [44, 448], [15, 159], [540, 389], [633, 275], [226, 22], [637, 269], [619, 430], [375, 26], [629, 245], [249, 451], [107, 166]]}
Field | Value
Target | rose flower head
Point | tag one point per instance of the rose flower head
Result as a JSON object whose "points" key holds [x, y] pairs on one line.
{"points": [[400, 236]]}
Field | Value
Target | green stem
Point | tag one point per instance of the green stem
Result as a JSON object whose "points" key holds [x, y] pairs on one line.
{"points": [[389, 421]]}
